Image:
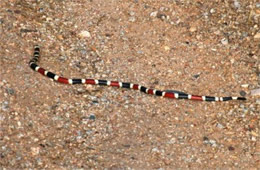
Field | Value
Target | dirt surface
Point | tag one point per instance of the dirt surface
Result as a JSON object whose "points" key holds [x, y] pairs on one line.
{"points": [[203, 48]]}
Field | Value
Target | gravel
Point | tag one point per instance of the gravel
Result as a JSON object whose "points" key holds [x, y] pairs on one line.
{"points": [[203, 48]]}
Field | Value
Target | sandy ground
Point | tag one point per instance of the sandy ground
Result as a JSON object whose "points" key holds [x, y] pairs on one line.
{"points": [[203, 48]]}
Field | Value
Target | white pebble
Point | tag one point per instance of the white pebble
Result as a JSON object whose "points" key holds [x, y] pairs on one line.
{"points": [[212, 11], [245, 85], [154, 14], [155, 150], [224, 41], [84, 34], [237, 4], [220, 126], [253, 138]]}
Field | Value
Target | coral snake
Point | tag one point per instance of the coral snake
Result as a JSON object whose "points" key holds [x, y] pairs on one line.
{"points": [[167, 93]]}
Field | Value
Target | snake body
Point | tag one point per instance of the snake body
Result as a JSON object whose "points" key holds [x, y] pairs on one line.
{"points": [[167, 93]]}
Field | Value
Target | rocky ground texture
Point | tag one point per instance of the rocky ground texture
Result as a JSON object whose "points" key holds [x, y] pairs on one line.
{"points": [[199, 47]]}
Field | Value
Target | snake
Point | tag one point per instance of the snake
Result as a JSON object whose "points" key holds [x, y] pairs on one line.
{"points": [[173, 94]]}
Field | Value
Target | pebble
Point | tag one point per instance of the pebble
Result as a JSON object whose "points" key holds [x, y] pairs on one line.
{"points": [[84, 120], [41, 9], [92, 117], [254, 133], [35, 150], [5, 105], [193, 29], [132, 19], [155, 150], [220, 126], [231, 148], [131, 13], [212, 11], [196, 76], [224, 41], [245, 85], [206, 15], [84, 34], [242, 93], [10, 91], [162, 16], [213, 142], [167, 48], [257, 36], [237, 4], [205, 139], [253, 138], [154, 14], [255, 92]]}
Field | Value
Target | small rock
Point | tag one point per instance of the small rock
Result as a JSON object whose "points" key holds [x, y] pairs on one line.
{"points": [[254, 133], [212, 11], [41, 9], [242, 93], [213, 143], [237, 4], [84, 34], [220, 126], [155, 150], [257, 36], [205, 139], [255, 92], [10, 91], [196, 76], [162, 16], [167, 48], [131, 13], [253, 138], [95, 102], [60, 37], [92, 117], [206, 15], [48, 19], [224, 41], [132, 19], [154, 14], [5, 105], [193, 29], [35, 150], [245, 85], [231, 148]]}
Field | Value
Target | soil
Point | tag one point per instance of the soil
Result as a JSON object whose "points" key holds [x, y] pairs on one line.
{"points": [[198, 47]]}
